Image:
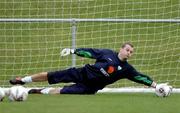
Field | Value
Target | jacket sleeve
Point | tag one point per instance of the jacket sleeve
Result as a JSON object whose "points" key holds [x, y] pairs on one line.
{"points": [[90, 52], [135, 76]]}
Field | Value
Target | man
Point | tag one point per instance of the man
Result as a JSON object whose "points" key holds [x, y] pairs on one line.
{"points": [[108, 68]]}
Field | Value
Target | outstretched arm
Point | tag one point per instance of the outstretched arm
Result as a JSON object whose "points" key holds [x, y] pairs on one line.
{"points": [[85, 52], [140, 78], [89, 52], [143, 79]]}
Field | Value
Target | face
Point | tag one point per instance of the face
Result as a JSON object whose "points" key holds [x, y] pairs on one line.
{"points": [[126, 52]]}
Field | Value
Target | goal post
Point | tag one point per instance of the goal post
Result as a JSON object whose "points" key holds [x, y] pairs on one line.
{"points": [[145, 50], [32, 34]]}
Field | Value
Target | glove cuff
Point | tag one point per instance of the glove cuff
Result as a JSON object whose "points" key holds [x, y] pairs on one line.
{"points": [[154, 84], [72, 51]]}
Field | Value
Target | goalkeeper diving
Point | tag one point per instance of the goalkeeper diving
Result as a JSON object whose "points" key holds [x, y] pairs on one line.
{"points": [[109, 67]]}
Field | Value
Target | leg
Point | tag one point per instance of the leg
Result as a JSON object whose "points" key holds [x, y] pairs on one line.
{"points": [[39, 77], [45, 91], [63, 76], [71, 89], [55, 91], [77, 89]]}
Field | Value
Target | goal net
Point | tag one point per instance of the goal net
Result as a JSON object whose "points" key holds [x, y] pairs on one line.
{"points": [[29, 45]]}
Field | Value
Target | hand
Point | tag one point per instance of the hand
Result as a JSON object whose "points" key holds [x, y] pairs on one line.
{"points": [[67, 51]]}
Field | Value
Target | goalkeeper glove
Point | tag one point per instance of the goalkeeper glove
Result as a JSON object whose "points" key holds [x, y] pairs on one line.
{"points": [[154, 85], [164, 84], [67, 51]]}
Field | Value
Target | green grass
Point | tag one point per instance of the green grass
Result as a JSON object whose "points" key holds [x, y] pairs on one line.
{"points": [[99, 103]]}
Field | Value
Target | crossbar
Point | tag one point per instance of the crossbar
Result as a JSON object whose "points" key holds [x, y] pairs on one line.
{"points": [[87, 20]]}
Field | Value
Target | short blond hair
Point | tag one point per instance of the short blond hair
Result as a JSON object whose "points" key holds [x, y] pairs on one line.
{"points": [[127, 43]]}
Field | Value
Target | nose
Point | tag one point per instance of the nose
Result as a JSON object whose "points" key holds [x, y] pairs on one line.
{"points": [[129, 53]]}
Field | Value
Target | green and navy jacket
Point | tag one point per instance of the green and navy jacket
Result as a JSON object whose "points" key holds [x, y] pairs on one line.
{"points": [[108, 68]]}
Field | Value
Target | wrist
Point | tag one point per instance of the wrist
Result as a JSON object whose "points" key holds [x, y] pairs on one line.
{"points": [[154, 84], [72, 51]]}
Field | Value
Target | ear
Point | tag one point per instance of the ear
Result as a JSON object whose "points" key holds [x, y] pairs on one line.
{"points": [[120, 49]]}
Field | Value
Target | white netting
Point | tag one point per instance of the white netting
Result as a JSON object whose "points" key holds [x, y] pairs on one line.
{"points": [[31, 47]]}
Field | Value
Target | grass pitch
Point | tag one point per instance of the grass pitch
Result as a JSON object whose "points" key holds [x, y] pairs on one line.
{"points": [[99, 103]]}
